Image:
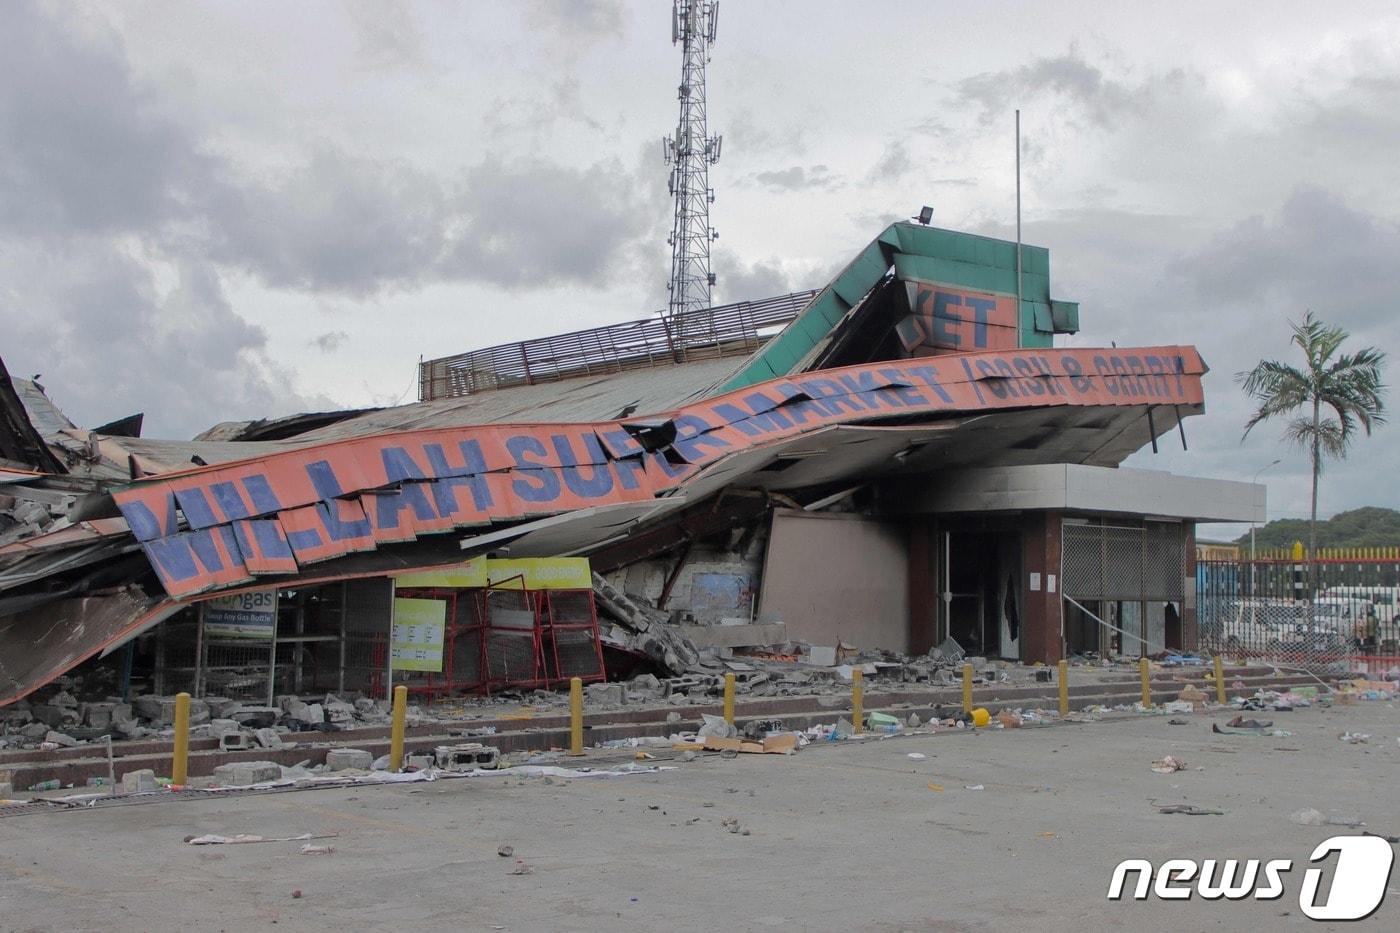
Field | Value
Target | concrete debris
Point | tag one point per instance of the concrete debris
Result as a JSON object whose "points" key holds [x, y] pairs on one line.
{"points": [[268, 738], [247, 773], [139, 782], [469, 756], [60, 740], [343, 759]]}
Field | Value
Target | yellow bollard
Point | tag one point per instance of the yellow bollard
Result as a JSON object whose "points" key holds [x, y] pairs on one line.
{"points": [[729, 698], [180, 766], [858, 700], [576, 716], [1064, 687], [967, 688], [1146, 682], [396, 733], [1219, 681]]}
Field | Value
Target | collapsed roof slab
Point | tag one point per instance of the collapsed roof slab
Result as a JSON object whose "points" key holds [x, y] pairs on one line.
{"points": [[222, 527]]}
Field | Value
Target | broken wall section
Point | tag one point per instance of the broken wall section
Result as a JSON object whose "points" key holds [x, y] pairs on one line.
{"points": [[717, 582]]}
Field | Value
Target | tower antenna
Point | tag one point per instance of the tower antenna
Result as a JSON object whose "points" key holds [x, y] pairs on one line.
{"points": [[690, 153]]}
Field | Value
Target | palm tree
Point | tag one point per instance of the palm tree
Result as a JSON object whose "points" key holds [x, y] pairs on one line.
{"points": [[1349, 384]]}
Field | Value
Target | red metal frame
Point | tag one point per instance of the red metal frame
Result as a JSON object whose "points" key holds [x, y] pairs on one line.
{"points": [[558, 617], [553, 608]]}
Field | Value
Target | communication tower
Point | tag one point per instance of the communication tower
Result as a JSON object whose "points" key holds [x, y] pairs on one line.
{"points": [[690, 153]]}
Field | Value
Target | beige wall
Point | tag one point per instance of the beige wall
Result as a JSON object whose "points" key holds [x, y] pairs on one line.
{"points": [[837, 578]]}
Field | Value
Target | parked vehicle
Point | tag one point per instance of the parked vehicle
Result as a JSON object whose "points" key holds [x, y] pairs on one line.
{"points": [[1262, 626]]}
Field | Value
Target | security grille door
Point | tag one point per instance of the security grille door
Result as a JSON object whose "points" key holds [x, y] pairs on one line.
{"points": [[1113, 562]]}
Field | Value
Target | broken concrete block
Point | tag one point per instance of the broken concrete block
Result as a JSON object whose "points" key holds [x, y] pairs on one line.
{"points": [[235, 741], [122, 712], [822, 655], [313, 714], [339, 712], [34, 732], [607, 694], [64, 698], [268, 738], [158, 709], [341, 759], [245, 773], [218, 728], [467, 757], [61, 739], [128, 727], [7, 790], [161, 710], [139, 782], [55, 717], [97, 715]]}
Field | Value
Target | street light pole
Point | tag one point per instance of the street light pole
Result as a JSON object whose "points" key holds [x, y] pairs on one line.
{"points": [[1255, 480]]}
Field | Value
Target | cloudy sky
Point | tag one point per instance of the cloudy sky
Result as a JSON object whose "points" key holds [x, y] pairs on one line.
{"points": [[218, 211]]}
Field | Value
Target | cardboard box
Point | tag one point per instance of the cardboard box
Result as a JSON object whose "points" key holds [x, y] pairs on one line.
{"points": [[780, 743]]}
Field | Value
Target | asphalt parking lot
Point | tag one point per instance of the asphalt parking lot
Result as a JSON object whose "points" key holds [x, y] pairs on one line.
{"points": [[851, 835]]}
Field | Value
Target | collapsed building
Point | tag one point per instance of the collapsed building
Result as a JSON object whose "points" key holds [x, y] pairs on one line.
{"points": [[900, 458]]}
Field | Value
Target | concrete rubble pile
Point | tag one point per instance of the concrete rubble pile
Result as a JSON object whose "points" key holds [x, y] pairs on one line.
{"points": [[57, 719]]}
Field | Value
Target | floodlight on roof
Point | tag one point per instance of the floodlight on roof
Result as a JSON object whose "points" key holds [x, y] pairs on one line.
{"points": [[925, 215]]}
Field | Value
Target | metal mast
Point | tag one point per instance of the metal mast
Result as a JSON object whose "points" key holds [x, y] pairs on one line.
{"points": [[690, 153]]}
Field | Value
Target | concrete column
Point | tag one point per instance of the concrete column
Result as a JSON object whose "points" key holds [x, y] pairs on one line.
{"points": [[923, 622], [1189, 632], [1040, 629]]}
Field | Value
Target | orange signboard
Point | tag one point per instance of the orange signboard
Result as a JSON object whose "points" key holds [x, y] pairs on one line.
{"points": [[224, 525]]}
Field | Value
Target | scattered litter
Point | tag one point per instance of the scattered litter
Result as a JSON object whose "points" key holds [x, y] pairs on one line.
{"points": [[917, 756], [505, 851], [1168, 764], [976, 787], [1177, 722], [936, 788], [1189, 810], [1311, 817], [521, 868], [1355, 738], [1241, 726], [1046, 835], [1179, 706], [211, 839], [309, 849], [883, 722], [1190, 695]]}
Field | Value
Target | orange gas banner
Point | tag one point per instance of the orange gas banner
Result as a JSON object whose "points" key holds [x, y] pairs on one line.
{"points": [[222, 526]]}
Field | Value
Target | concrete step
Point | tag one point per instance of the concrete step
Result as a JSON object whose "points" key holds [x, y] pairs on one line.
{"points": [[74, 766]]}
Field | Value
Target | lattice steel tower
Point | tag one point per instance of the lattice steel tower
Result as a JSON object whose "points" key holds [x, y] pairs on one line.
{"points": [[690, 153]]}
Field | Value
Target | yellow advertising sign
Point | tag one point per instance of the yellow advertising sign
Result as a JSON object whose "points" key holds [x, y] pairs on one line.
{"points": [[539, 573], [415, 640]]}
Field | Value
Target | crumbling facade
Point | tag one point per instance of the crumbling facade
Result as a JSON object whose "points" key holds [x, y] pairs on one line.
{"points": [[908, 459]]}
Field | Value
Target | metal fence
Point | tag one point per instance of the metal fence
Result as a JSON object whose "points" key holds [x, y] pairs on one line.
{"points": [[725, 330], [1340, 612]]}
